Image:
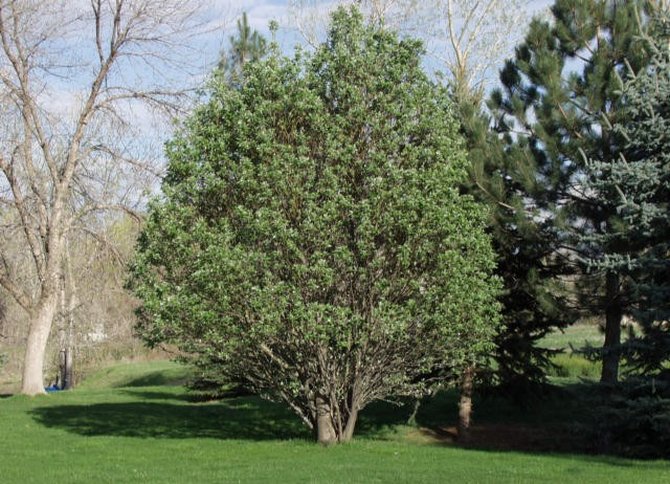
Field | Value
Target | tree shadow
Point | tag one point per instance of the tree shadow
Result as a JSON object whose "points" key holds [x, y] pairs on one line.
{"points": [[241, 418], [552, 424], [153, 395], [545, 426], [155, 378]]}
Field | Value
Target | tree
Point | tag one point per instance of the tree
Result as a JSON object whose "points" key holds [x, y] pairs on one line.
{"points": [[465, 39], [635, 190], [312, 238], [245, 46], [534, 302], [561, 95], [64, 166]]}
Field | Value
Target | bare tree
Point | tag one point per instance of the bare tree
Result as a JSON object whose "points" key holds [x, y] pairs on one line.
{"points": [[311, 17], [470, 39], [75, 77]]}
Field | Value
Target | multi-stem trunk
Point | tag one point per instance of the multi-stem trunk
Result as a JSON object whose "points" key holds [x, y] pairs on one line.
{"points": [[333, 427], [613, 316], [325, 428]]}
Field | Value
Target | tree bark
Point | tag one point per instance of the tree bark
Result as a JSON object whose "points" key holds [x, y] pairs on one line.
{"points": [[350, 427], [40, 326], [613, 316], [68, 374], [465, 404], [325, 430]]}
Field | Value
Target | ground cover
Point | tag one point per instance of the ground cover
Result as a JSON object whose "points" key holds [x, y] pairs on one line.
{"points": [[133, 423], [570, 363]]}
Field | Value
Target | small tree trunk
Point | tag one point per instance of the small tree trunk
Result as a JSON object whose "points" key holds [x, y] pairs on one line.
{"points": [[465, 404], [38, 335], [68, 382], [325, 430], [613, 316], [350, 427]]}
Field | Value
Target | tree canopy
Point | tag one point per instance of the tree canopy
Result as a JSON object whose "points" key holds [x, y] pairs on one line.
{"points": [[561, 96], [636, 190], [312, 237]]}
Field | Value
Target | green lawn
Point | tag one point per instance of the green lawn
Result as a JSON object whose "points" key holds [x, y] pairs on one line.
{"points": [[570, 364], [576, 336], [114, 429]]}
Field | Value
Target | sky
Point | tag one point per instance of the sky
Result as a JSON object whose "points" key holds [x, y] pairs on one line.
{"points": [[261, 12], [63, 96], [221, 17]]}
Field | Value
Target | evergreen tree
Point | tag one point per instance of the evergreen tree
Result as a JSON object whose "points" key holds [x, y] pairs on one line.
{"points": [[560, 98], [635, 189], [533, 302], [246, 46]]}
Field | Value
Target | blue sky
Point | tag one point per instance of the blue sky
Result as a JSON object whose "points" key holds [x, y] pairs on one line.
{"points": [[63, 97], [221, 17], [261, 12]]}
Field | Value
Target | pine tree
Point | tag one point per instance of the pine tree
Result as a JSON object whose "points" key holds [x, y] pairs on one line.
{"points": [[246, 46], [636, 190], [561, 96], [533, 304]]}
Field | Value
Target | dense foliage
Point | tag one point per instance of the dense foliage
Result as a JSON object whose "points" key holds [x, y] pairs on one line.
{"points": [[636, 190], [561, 97], [312, 238], [533, 302]]}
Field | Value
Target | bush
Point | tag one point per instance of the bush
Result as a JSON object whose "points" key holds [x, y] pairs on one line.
{"points": [[634, 420]]}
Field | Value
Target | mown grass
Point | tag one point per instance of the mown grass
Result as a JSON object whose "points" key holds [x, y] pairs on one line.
{"points": [[138, 374], [111, 429]]}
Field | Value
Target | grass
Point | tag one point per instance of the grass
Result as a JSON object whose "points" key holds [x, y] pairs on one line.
{"points": [[570, 364], [138, 374], [131, 423], [576, 336]]}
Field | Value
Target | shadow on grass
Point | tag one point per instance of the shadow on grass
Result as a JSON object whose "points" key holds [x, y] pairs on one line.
{"points": [[552, 424], [241, 418], [156, 378], [169, 414], [546, 426]]}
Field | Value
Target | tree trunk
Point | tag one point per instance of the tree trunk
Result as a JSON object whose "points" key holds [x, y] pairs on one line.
{"points": [[465, 404], [613, 316], [350, 427], [325, 430], [68, 375], [68, 382], [40, 326]]}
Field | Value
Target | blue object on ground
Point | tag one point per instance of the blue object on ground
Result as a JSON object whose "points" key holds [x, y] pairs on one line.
{"points": [[52, 388]]}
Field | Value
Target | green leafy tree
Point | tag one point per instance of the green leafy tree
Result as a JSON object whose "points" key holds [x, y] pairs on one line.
{"points": [[561, 96], [636, 189], [312, 237], [245, 46]]}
